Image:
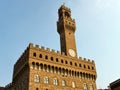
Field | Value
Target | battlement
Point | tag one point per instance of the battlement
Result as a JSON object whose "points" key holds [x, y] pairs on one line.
{"points": [[21, 62], [45, 49], [23, 55], [60, 56], [42, 48], [86, 60], [64, 7]]}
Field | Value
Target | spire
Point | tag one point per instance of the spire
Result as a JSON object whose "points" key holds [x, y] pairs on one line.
{"points": [[63, 3]]}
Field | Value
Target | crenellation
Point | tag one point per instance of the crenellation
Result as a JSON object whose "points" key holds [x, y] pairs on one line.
{"points": [[93, 62], [48, 49], [58, 52], [66, 8], [80, 58], [37, 46], [43, 48], [85, 59], [31, 45], [52, 51], [88, 60]]}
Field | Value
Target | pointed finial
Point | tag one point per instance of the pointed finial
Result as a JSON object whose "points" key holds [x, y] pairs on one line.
{"points": [[63, 3]]}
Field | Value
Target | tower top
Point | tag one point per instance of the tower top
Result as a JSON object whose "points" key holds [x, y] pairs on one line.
{"points": [[64, 3], [64, 8]]}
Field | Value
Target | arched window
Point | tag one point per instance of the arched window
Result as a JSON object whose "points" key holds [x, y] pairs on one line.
{"points": [[34, 54], [33, 65], [92, 68], [56, 59], [36, 78], [40, 55], [75, 64], [73, 84], [63, 83], [91, 87], [88, 67], [41, 66], [46, 57], [80, 65], [52, 69], [62, 61], [51, 58], [85, 86], [46, 80], [70, 63], [67, 14], [37, 66], [55, 81], [84, 66], [66, 62], [49, 68]]}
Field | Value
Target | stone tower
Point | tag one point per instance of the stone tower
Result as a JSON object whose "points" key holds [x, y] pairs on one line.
{"points": [[66, 28], [40, 68]]}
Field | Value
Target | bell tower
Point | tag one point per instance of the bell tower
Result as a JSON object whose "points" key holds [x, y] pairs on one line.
{"points": [[66, 28]]}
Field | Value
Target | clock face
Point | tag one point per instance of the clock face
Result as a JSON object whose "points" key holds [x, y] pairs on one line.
{"points": [[72, 52]]}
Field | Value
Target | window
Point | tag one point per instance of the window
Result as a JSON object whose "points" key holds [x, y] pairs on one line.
{"points": [[88, 67], [84, 66], [67, 14], [92, 68], [66, 62], [63, 83], [91, 87], [75, 64], [61, 61], [34, 54], [33, 65], [46, 80], [80, 65], [85, 86], [46, 57], [55, 81], [73, 84], [37, 89], [70, 63], [37, 66], [56, 59], [40, 55], [51, 58], [36, 78]]}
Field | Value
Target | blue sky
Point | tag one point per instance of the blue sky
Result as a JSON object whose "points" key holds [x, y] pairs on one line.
{"points": [[97, 33]]}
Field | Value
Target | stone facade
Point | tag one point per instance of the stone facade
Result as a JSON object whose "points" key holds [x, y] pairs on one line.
{"points": [[40, 68]]}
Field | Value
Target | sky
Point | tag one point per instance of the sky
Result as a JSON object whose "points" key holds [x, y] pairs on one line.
{"points": [[34, 21]]}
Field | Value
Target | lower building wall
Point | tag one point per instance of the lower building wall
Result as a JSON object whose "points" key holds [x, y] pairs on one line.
{"points": [[20, 82], [71, 83]]}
